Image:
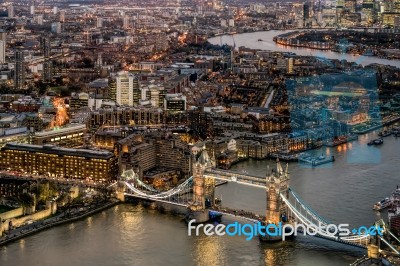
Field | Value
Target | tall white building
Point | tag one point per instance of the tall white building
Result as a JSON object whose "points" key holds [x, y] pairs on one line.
{"points": [[32, 10], [2, 52], [128, 91]]}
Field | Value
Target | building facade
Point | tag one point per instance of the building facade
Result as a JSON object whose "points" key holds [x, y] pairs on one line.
{"points": [[127, 89], [49, 160]]}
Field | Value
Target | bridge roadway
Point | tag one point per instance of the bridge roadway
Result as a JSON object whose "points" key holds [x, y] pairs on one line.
{"points": [[156, 200], [233, 176]]}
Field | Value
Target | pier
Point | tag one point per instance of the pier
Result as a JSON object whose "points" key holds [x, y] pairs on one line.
{"points": [[313, 161]]}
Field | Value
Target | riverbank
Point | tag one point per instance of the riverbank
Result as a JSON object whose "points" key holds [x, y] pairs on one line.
{"points": [[39, 226], [251, 41], [340, 41]]}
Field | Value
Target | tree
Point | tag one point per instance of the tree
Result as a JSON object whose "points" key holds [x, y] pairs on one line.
{"points": [[26, 200]]}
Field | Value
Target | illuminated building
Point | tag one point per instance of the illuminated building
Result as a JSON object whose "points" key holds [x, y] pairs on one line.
{"points": [[68, 136], [388, 18], [47, 65], [59, 162], [252, 149], [368, 8], [19, 72], [2, 52], [155, 151], [112, 88], [127, 89], [175, 102], [278, 183], [127, 116], [272, 124], [10, 187], [350, 5]]}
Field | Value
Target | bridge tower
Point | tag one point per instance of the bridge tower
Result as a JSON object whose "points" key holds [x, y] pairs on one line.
{"points": [[203, 189], [277, 183]]}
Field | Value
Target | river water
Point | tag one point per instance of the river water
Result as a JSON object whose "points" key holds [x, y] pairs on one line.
{"points": [[129, 234], [250, 40]]}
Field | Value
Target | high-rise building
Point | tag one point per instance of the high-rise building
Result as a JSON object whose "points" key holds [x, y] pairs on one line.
{"points": [[47, 65], [10, 10], [126, 22], [56, 27], [99, 23], [38, 19], [55, 10], [19, 71], [3, 35], [32, 10], [306, 14], [3, 46], [128, 91], [62, 16], [112, 86], [2, 52]]}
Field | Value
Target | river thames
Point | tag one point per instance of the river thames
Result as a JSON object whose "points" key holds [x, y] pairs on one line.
{"points": [[129, 234], [251, 40]]}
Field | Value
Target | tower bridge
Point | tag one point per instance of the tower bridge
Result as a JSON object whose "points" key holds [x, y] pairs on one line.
{"points": [[283, 205]]}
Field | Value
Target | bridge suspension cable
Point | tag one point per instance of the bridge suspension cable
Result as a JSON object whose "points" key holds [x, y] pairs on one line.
{"points": [[310, 219], [184, 187]]}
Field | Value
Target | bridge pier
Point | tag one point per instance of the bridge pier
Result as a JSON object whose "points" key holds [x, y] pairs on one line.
{"points": [[120, 192], [373, 251]]}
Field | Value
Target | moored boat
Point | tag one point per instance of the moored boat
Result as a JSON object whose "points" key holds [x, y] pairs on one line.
{"points": [[376, 142], [382, 204]]}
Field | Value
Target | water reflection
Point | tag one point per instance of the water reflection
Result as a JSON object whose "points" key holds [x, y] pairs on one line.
{"points": [[209, 250]]}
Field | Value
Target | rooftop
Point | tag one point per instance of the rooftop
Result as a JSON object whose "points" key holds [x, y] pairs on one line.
{"points": [[51, 149]]}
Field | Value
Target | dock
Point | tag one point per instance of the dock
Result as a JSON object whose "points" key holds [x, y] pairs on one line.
{"points": [[284, 157], [315, 161]]}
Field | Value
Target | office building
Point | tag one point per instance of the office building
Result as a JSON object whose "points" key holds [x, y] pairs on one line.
{"points": [[56, 27], [68, 136], [175, 102], [10, 10], [99, 23], [19, 71], [127, 89], [2, 52], [47, 65]]}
